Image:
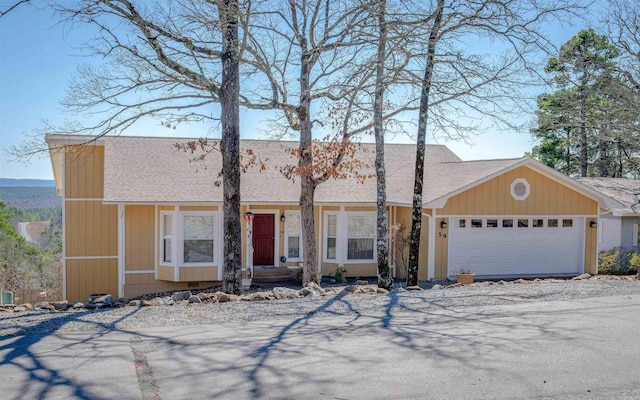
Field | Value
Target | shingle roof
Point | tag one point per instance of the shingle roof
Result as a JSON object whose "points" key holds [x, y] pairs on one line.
{"points": [[624, 191], [152, 169]]}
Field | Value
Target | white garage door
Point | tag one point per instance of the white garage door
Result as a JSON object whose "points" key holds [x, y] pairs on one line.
{"points": [[524, 246]]}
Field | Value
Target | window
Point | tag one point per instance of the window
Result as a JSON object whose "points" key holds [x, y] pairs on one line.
{"points": [[552, 223], [523, 223], [567, 223], [492, 223], [462, 223], [166, 234], [292, 235], [538, 223], [187, 238], [332, 235], [520, 189], [360, 237], [198, 238], [507, 223], [476, 223]]}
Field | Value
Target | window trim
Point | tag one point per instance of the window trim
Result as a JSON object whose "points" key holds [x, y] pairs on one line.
{"points": [[287, 215], [171, 263], [527, 191], [342, 237], [177, 236], [214, 238], [325, 239], [373, 216]]}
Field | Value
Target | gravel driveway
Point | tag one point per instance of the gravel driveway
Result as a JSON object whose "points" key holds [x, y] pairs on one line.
{"points": [[341, 302]]}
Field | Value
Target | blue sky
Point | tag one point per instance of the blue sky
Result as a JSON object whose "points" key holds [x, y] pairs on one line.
{"points": [[39, 56]]}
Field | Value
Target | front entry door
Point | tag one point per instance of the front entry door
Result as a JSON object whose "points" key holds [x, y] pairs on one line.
{"points": [[263, 239]]}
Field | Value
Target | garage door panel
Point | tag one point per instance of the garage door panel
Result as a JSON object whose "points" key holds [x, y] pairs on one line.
{"points": [[517, 250]]}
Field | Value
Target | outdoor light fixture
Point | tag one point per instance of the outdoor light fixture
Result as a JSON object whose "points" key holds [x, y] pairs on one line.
{"points": [[282, 218], [593, 224], [443, 224]]}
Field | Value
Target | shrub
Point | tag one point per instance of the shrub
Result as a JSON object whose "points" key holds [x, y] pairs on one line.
{"points": [[618, 261]]}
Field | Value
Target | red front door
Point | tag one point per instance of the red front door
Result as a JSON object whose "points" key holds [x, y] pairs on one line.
{"points": [[263, 239]]}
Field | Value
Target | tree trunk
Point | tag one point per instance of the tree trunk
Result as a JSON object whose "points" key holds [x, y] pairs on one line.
{"points": [[230, 147], [416, 215], [385, 280], [307, 181]]}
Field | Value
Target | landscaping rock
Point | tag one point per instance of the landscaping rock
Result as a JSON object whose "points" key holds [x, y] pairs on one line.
{"points": [[195, 299], [27, 306], [437, 287], [285, 293], [260, 296], [409, 288], [179, 296], [166, 301], [361, 283], [208, 297], [43, 305], [79, 305], [135, 303], [381, 290], [223, 297], [19, 309], [61, 305], [312, 289], [581, 277], [350, 289], [100, 301]]}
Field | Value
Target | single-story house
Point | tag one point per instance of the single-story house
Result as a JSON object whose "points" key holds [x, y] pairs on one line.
{"points": [[618, 225], [140, 216]]}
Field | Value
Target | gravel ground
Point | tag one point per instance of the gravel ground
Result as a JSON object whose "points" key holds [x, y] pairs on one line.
{"points": [[399, 300]]}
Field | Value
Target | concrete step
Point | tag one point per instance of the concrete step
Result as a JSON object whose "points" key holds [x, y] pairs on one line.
{"points": [[271, 275]]}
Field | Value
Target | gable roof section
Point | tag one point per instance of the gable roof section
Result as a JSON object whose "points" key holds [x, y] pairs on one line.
{"points": [[485, 170], [624, 191], [149, 170]]}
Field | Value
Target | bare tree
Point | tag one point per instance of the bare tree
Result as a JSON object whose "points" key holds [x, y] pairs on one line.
{"points": [[384, 274], [308, 49], [166, 60], [12, 6], [479, 56]]}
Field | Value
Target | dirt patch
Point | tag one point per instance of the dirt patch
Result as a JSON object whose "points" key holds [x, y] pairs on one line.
{"points": [[35, 229]]}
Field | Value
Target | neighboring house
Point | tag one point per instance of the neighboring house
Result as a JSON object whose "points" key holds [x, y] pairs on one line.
{"points": [[140, 217], [619, 225]]}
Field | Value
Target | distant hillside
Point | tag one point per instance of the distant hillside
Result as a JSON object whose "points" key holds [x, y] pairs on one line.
{"points": [[30, 197], [10, 182]]}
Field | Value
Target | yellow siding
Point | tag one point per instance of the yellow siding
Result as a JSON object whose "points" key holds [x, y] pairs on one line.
{"points": [[139, 230], [403, 217], [91, 276], [84, 172], [590, 247], [91, 229], [442, 249], [190, 274], [547, 197], [165, 273], [137, 284]]}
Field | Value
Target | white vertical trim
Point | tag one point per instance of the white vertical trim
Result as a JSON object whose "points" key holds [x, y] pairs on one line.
{"points": [[634, 240], [175, 247], [64, 224], [431, 246], [583, 245], [121, 249], [219, 232], [156, 239], [320, 225]]}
